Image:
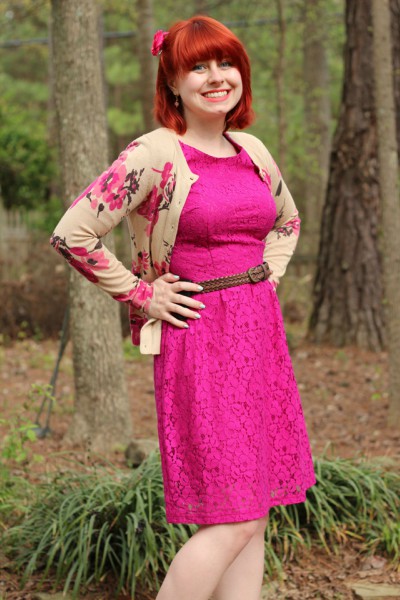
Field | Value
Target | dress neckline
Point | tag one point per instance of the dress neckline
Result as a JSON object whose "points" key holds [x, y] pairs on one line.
{"points": [[238, 148]]}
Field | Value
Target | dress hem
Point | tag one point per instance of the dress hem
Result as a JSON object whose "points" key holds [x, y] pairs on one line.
{"points": [[236, 517]]}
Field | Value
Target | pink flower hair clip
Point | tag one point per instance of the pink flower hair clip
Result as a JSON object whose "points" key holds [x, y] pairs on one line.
{"points": [[158, 42]]}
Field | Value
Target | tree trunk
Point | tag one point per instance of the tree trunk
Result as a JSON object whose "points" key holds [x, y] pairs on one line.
{"points": [[389, 192], [348, 287], [102, 416], [279, 78], [395, 29], [200, 7], [146, 60], [317, 112]]}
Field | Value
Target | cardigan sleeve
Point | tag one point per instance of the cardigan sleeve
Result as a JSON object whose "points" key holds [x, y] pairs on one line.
{"points": [[96, 211], [281, 241]]}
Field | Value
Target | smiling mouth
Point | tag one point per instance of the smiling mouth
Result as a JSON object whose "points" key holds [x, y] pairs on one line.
{"points": [[216, 94]]}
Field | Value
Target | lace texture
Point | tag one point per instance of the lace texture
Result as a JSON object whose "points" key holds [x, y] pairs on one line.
{"points": [[232, 434]]}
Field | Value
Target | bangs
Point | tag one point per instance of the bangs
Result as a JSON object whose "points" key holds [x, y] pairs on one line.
{"points": [[198, 44]]}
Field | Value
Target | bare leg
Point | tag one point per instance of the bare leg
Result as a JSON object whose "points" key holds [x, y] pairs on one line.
{"points": [[243, 578], [200, 563]]}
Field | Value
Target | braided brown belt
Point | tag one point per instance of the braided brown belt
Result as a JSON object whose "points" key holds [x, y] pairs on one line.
{"points": [[252, 275]]}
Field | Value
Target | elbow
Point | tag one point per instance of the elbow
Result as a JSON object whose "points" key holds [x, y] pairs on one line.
{"points": [[56, 241]]}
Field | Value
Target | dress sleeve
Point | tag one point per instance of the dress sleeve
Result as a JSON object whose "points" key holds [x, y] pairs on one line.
{"points": [[281, 241], [98, 209]]}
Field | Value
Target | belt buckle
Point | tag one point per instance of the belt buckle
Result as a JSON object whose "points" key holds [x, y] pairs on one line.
{"points": [[257, 274]]}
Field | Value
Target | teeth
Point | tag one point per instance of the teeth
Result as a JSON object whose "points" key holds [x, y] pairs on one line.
{"points": [[215, 94]]}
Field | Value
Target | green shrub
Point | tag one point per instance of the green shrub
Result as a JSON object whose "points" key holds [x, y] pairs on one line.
{"points": [[87, 526]]}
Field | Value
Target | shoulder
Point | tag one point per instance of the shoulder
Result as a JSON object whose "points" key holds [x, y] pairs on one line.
{"points": [[159, 143], [251, 144], [150, 150]]}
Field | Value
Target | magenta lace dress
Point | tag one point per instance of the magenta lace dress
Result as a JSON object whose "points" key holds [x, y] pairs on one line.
{"points": [[231, 429]]}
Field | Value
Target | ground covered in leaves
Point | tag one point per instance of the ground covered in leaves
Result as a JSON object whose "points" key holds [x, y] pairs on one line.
{"points": [[345, 404]]}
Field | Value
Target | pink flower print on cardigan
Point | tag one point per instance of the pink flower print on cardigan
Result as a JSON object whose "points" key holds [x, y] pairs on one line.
{"points": [[135, 268], [136, 323], [81, 259], [167, 184], [266, 177], [142, 266], [110, 189], [289, 228], [139, 297], [149, 209], [165, 174], [156, 201], [113, 187], [162, 268]]}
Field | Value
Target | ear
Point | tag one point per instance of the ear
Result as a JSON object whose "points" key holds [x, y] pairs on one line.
{"points": [[173, 88]]}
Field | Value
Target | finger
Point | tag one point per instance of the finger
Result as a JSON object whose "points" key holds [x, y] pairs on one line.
{"points": [[177, 322], [186, 286], [187, 301], [181, 310], [170, 277]]}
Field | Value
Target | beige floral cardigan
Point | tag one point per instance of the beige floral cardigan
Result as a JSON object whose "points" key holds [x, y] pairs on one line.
{"points": [[148, 185]]}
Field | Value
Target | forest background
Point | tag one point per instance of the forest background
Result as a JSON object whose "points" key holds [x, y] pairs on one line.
{"points": [[28, 148], [297, 50]]}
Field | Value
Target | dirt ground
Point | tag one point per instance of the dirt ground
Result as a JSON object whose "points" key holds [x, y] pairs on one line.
{"points": [[345, 404]]}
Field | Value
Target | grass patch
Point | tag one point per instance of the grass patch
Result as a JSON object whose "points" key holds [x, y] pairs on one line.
{"points": [[108, 522]]}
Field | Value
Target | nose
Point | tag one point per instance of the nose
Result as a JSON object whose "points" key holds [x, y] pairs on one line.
{"points": [[216, 75]]}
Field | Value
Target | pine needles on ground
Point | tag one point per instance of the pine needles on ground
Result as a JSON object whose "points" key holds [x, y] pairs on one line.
{"points": [[87, 526]]}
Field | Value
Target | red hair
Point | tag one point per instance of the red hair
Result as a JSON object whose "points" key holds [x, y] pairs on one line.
{"points": [[200, 38]]}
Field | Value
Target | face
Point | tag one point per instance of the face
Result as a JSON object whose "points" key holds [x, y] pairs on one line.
{"points": [[209, 90]]}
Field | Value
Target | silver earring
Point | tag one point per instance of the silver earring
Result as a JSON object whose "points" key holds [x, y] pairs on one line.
{"points": [[176, 101]]}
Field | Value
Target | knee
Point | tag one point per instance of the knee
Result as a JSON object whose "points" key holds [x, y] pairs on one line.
{"points": [[249, 529], [262, 524], [236, 536], [241, 533]]}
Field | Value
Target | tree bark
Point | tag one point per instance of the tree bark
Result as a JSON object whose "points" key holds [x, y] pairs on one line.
{"points": [[200, 7], [389, 192], [279, 78], [102, 416], [348, 287], [395, 30], [146, 60], [317, 113]]}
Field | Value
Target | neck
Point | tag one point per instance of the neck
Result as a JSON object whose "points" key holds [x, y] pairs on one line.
{"points": [[209, 132]]}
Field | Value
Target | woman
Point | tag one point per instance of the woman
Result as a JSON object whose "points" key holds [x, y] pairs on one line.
{"points": [[213, 227]]}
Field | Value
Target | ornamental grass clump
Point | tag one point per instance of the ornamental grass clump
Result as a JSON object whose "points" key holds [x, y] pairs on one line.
{"points": [[89, 525], [352, 501], [112, 523]]}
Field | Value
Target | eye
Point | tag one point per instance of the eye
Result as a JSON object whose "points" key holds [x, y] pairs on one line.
{"points": [[199, 67], [226, 64]]}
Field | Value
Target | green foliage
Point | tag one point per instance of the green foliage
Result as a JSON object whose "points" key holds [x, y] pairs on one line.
{"points": [[46, 215], [17, 495], [86, 526], [26, 162], [14, 443], [122, 122], [101, 522], [131, 352], [21, 430], [120, 69]]}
